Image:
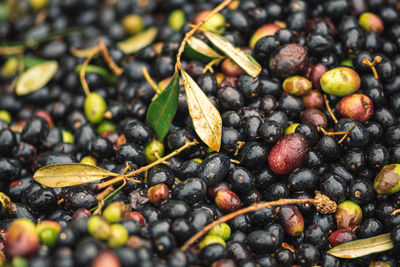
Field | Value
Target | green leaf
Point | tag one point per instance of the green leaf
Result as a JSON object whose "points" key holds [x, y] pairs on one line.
{"points": [[36, 77], [198, 49], [206, 119], [162, 110], [109, 77], [31, 61], [362, 247], [61, 175], [139, 41], [4, 12], [244, 60]]}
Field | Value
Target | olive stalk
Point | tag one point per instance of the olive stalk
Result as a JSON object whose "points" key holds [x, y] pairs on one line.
{"points": [[328, 107], [195, 28], [371, 65], [124, 176], [321, 202]]}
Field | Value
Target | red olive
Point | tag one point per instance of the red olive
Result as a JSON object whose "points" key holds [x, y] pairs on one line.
{"points": [[227, 201], [314, 117], [313, 99], [291, 220], [158, 193], [357, 107], [341, 236], [288, 153]]}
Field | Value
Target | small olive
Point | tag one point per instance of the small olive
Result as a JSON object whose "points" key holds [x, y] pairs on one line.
{"points": [[67, 137], [387, 180], [99, 227], [211, 239], [291, 128], [371, 22], [222, 230], [48, 232], [115, 211], [215, 24], [348, 215], [5, 116], [94, 107], [151, 148], [265, 30], [90, 160], [119, 236], [297, 85], [176, 19], [133, 24], [22, 238]]}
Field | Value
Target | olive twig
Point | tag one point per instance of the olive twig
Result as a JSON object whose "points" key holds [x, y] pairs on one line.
{"points": [[346, 134], [83, 70], [100, 196], [124, 177], [150, 81], [240, 144], [328, 107], [111, 64], [209, 66], [371, 65], [395, 212], [321, 202], [190, 33]]}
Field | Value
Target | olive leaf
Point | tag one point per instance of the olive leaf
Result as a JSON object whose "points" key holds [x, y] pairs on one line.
{"points": [[31, 61], [36, 77], [109, 77], [83, 53], [198, 49], [138, 41], [162, 110], [61, 175], [362, 247], [206, 119], [241, 58]]}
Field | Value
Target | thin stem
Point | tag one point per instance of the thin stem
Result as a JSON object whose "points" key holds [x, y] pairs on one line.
{"points": [[346, 134], [111, 64], [150, 80], [209, 66], [104, 193], [328, 107], [330, 133], [154, 163], [124, 177], [83, 70], [371, 65], [190, 33], [320, 201], [395, 212]]}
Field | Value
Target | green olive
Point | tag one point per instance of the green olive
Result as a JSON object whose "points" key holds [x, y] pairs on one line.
{"points": [[297, 85], [340, 81], [94, 107], [99, 228], [211, 239], [133, 24], [176, 19], [222, 230], [119, 236], [153, 147], [5, 116]]}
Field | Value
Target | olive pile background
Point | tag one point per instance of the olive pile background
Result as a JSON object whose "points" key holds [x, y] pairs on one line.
{"points": [[149, 220]]}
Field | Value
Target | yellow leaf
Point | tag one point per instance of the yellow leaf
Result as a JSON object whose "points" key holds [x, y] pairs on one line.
{"points": [[206, 119], [61, 175]]}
